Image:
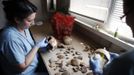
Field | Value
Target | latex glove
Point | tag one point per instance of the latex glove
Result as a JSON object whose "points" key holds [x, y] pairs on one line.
{"points": [[113, 55], [42, 43], [52, 41], [95, 64]]}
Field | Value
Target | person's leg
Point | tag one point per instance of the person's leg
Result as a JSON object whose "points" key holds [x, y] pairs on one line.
{"points": [[40, 73], [41, 68], [1, 71]]}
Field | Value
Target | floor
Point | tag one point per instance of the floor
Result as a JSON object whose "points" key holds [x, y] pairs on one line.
{"points": [[58, 61], [46, 29]]}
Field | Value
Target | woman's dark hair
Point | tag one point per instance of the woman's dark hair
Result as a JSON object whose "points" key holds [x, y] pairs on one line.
{"points": [[19, 9]]}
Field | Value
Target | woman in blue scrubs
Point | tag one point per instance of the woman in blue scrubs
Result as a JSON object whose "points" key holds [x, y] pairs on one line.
{"points": [[18, 52]]}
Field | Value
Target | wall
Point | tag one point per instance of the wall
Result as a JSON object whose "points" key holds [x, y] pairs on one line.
{"points": [[41, 9], [41, 15]]}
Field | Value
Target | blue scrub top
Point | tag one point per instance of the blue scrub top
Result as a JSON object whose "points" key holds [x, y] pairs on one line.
{"points": [[15, 46]]}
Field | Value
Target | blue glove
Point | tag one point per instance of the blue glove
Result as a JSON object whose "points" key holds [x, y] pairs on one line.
{"points": [[42, 43], [95, 64], [113, 55]]}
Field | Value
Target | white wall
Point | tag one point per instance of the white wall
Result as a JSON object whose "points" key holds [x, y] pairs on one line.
{"points": [[40, 14]]}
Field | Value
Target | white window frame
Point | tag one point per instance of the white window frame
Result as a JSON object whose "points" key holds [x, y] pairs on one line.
{"points": [[91, 22], [99, 10]]}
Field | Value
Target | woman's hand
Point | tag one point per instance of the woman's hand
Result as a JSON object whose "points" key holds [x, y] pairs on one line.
{"points": [[42, 43], [52, 41], [95, 64]]}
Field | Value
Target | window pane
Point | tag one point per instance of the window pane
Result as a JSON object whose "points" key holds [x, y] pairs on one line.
{"points": [[97, 9]]}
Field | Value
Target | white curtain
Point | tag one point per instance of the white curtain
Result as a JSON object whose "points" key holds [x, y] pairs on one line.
{"points": [[115, 22]]}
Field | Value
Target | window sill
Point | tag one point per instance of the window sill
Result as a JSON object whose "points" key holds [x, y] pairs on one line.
{"points": [[107, 36]]}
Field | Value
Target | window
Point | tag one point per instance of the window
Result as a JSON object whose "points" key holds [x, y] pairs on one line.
{"points": [[107, 12], [97, 9]]}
